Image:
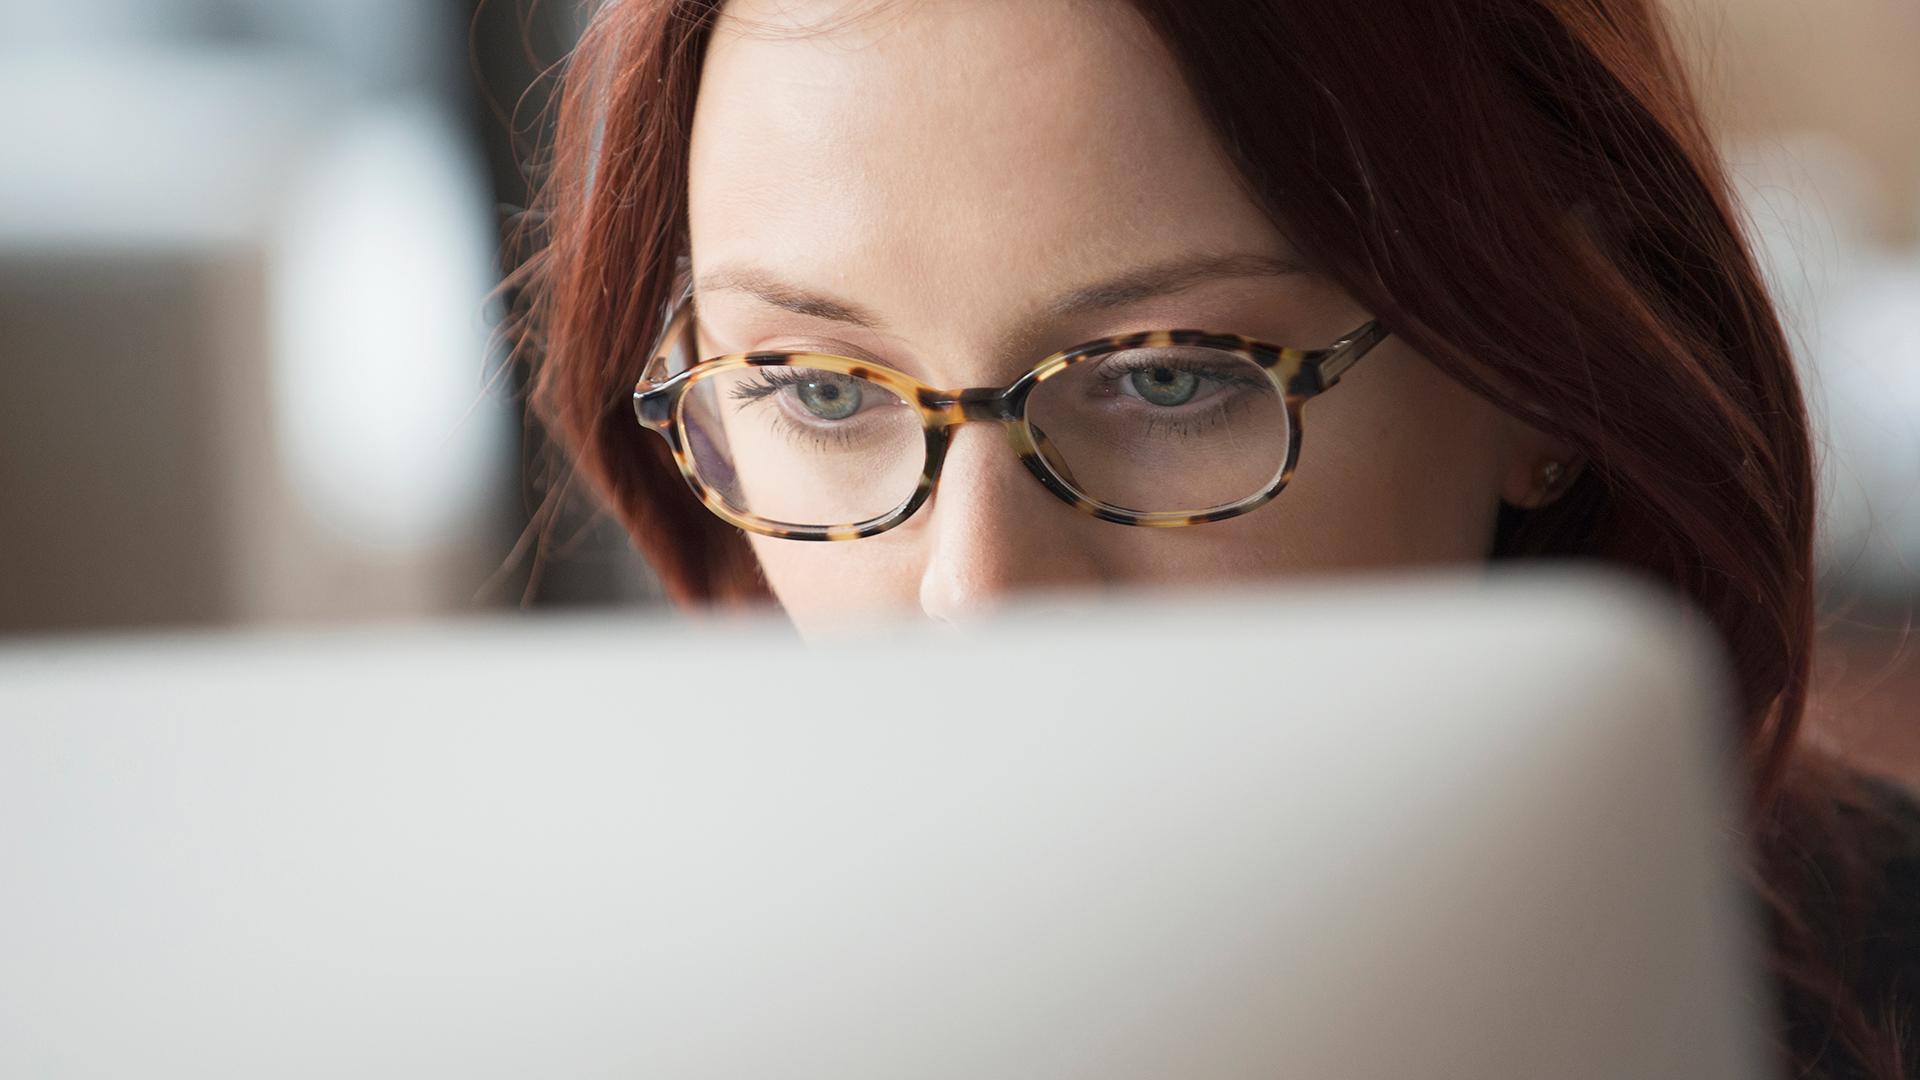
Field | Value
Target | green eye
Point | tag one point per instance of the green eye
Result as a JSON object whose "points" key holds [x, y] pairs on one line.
{"points": [[830, 399], [1165, 386]]}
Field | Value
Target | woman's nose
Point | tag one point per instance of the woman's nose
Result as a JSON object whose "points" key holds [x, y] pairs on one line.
{"points": [[992, 531]]}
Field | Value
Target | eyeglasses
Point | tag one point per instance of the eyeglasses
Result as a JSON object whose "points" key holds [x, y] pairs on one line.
{"points": [[1158, 428]]}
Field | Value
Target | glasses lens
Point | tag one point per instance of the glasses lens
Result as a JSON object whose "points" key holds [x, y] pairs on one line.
{"points": [[1173, 430], [803, 447]]}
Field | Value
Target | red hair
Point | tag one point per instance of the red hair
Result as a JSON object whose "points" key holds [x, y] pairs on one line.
{"points": [[1523, 190]]}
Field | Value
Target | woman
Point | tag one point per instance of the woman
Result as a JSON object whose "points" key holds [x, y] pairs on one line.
{"points": [[1498, 227]]}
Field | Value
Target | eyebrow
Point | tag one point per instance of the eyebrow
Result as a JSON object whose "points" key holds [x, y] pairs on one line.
{"points": [[769, 289], [1162, 279], [1129, 287]]}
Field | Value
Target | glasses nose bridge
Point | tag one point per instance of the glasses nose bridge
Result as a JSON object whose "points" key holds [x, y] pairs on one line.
{"points": [[991, 405], [974, 405]]}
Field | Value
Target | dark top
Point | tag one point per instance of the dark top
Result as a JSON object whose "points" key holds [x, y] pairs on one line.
{"points": [[1866, 921]]}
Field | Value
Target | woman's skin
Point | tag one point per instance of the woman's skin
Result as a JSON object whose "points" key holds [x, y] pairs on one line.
{"points": [[956, 188]]}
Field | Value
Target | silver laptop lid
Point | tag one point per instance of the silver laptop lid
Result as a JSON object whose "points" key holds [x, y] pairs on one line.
{"points": [[1440, 829]]}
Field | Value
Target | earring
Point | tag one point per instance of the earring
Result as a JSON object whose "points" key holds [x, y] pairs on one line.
{"points": [[1548, 478], [1550, 475]]}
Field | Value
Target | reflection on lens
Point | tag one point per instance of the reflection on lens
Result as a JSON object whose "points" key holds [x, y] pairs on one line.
{"points": [[801, 446], [1163, 430]]}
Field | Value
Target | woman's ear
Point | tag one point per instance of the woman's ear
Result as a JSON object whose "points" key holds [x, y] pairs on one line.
{"points": [[1536, 467]]}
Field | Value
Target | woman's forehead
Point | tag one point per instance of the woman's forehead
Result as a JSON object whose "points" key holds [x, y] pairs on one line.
{"points": [[956, 147]]}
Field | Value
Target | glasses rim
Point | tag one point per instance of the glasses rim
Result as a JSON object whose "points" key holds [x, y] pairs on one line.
{"points": [[1296, 374]]}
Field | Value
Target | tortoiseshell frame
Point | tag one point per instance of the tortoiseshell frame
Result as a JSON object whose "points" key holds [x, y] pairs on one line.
{"points": [[1299, 374]]}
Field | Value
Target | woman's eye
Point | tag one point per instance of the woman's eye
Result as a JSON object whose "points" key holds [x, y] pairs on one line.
{"points": [[1164, 386], [829, 399]]}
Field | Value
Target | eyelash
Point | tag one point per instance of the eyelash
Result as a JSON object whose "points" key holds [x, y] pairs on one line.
{"points": [[1112, 371], [771, 381]]}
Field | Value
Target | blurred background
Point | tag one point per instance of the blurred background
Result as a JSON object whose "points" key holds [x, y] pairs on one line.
{"points": [[247, 249]]}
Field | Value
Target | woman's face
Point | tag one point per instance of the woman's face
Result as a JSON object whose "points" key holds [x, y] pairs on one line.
{"points": [[955, 190]]}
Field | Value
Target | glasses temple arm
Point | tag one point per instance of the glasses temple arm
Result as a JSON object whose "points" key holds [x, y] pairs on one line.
{"points": [[679, 320], [1346, 352]]}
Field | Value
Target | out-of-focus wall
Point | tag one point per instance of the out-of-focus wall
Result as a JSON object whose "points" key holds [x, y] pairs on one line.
{"points": [[245, 249], [1849, 69]]}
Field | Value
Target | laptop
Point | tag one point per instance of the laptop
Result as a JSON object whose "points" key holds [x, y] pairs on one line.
{"points": [[1436, 827]]}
